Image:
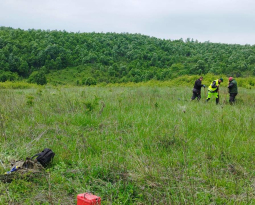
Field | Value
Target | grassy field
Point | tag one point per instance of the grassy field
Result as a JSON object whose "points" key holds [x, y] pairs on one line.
{"points": [[129, 145]]}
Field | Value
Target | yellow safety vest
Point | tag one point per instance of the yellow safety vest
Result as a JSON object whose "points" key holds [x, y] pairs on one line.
{"points": [[211, 89]]}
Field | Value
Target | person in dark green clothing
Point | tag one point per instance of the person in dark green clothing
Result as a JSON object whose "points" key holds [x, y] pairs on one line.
{"points": [[232, 89]]}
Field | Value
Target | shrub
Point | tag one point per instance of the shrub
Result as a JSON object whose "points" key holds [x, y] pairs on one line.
{"points": [[89, 81], [16, 85], [38, 77], [8, 76]]}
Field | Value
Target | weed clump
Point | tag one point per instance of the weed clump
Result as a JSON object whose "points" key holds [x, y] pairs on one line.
{"points": [[30, 100]]}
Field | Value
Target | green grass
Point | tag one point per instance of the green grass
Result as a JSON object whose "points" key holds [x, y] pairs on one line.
{"points": [[130, 145], [75, 76]]}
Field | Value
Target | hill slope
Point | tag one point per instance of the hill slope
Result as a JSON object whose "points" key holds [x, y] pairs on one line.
{"points": [[112, 57]]}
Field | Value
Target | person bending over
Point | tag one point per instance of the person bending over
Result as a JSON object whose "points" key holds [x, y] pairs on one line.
{"points": [[197, 89], [213, 90]]}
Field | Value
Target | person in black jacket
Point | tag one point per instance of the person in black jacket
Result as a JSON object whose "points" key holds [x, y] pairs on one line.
{"points": [[197, 89], [232, 89]]}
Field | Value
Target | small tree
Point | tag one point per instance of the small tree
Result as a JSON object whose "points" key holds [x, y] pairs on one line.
{"points": [[89, 81], [38, 77]]}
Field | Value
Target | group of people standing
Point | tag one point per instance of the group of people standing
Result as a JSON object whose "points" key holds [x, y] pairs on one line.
{"points": [[213, 89]]}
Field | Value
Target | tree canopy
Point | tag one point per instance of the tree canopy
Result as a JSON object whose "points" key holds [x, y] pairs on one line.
{"points": [[117, 57]]}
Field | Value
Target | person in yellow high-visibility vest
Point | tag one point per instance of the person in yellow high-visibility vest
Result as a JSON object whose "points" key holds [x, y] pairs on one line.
{"points": [[213, 90]]}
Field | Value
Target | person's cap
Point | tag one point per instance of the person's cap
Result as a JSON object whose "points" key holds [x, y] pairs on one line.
{"points": [[221, 79], [230, 78]]}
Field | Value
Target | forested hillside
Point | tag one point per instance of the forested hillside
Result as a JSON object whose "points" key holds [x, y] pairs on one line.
{"points": [[112, 57]]}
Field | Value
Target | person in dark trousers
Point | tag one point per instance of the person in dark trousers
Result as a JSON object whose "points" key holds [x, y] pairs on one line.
{"points": [[213, 90], [197, 89], [232, 89]]}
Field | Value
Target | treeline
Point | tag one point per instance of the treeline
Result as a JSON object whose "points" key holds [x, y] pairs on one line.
{"points": [[112, 57]]}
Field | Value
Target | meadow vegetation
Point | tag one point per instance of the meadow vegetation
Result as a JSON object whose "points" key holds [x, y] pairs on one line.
{"points": [[130, 144], [132, 135]]}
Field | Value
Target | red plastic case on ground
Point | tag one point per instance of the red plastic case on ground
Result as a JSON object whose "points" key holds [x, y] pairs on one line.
{"points": [[88, 199]]}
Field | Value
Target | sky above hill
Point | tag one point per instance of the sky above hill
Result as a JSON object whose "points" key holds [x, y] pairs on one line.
{"points": [[219, 21]]}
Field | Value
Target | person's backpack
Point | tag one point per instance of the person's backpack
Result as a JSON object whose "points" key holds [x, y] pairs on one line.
{"points": [[45, 157]]}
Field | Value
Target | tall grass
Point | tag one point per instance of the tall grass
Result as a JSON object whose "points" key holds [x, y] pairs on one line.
{"points": [[130, 145], [187, 80]]}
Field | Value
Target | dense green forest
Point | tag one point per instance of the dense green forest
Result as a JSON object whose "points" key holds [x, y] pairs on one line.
{"points": [[115, 57]]}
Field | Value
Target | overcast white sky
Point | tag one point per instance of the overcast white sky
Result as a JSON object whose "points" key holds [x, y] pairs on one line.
{"points": [[220, 21]]}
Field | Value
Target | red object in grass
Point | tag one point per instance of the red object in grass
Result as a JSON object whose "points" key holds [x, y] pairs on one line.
{"points": [[88, 199]]}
